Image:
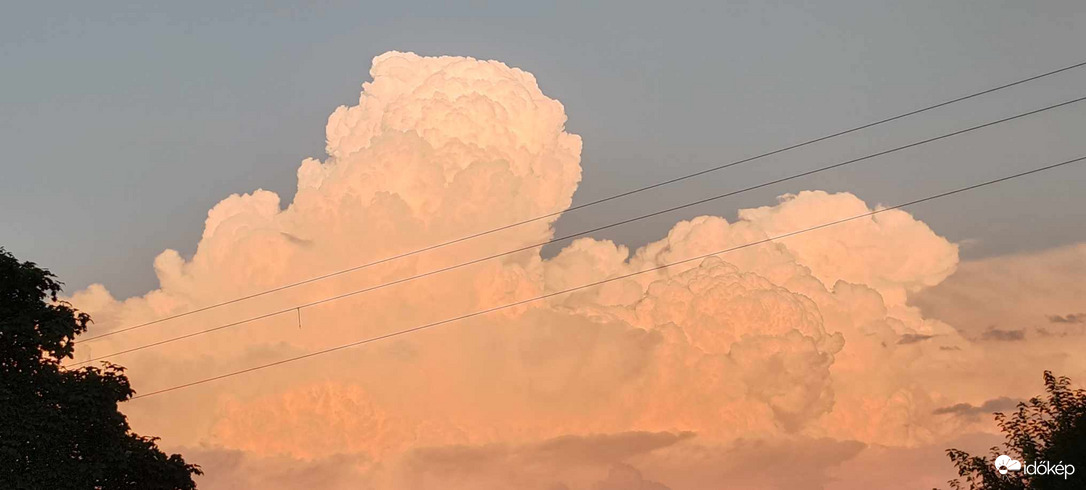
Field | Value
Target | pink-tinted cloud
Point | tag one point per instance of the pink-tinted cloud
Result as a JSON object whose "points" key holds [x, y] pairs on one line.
{"points": [[763, 368]]}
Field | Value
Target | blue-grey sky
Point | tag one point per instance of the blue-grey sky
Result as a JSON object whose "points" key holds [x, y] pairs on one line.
{"points": [[123, 123]]}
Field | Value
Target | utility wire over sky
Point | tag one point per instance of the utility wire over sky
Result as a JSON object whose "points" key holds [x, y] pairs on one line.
{"points": [[612, 279], [298, 308], [592, 203]]}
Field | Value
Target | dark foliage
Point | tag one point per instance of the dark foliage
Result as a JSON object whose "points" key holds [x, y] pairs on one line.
{"points": [[60, 428], [1052, 428]]}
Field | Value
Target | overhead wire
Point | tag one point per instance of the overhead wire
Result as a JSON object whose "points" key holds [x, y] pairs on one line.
{"points": [[604, 281], [299, 307], [583, 205]]}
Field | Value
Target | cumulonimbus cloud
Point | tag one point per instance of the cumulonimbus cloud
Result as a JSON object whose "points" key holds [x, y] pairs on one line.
{"points": [[794, 350]]}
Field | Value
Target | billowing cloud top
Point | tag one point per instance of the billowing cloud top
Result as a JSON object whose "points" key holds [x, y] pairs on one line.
{"points": [[804, 350]]}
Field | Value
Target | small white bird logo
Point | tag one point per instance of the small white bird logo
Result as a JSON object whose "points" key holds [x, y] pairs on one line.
{"points": [[1004, 464]]}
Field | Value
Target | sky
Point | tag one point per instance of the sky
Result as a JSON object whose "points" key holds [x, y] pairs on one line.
{"points": [[124, 123], [200, 156]]}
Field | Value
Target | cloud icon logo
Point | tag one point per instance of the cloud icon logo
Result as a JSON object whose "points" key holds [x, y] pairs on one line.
{"points": [[1004, 464]]}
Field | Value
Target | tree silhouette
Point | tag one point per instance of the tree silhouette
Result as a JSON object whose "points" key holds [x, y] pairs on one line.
{"points": [[1051, 429], [60, 428]]}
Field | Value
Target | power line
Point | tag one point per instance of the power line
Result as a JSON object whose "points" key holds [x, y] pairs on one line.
{"points": [[604, 281], [587, 204], [566, 237]]}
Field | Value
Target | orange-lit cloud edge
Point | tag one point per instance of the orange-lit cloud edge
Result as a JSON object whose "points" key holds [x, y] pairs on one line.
{"points": [[845, 359]]}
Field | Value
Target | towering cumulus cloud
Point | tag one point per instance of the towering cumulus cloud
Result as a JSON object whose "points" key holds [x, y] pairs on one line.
{"points": [[773, 366]]}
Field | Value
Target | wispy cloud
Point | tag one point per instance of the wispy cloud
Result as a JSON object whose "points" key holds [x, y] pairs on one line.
{"points": [[1001, 335], [1072, 318], [969, 410]]}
